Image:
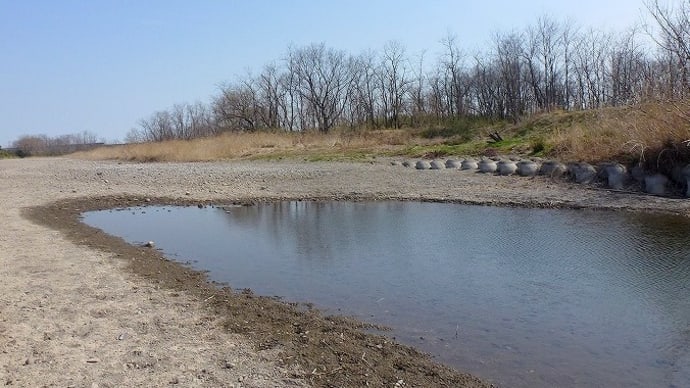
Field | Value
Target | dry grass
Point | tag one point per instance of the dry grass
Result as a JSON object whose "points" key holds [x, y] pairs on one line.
{"points": [[654, 134], [649, 133], [255, 145]]}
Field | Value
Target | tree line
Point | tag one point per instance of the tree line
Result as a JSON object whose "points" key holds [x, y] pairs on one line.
{"points": [[46, 145], [549, 65]]}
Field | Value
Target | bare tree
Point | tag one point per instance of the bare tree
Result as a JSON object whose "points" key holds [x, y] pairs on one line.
{"points": [[569, 32], [135, 135], [236, 108], [509, 54], [590, 66], [291, 104], [417, 96], [487, 89], [628, 70], [325, 79], [158, 127], [453, 76], [674, 25], [365, 105], [394, 81], [269, 97], [32, 144]]}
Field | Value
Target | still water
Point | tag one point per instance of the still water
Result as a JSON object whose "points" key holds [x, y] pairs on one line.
{"points": [[520, 297]]}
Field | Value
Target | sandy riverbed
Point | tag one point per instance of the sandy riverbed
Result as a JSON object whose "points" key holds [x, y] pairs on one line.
{"points": [[80, 308]]}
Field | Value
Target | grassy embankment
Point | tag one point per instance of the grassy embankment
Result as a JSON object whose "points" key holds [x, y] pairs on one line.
{"points": [[651, 133]]}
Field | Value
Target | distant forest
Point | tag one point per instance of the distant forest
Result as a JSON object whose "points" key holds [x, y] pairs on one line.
{"points": [[550, 65]]}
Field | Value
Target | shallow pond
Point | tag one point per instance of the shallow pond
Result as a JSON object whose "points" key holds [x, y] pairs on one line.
{"points": [[520, 297]]}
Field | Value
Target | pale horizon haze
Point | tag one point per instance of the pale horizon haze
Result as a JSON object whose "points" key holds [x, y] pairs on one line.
{"points": [[100, 66]]}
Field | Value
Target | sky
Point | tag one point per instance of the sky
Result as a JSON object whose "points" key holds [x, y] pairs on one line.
{"points": [[70, 66]]}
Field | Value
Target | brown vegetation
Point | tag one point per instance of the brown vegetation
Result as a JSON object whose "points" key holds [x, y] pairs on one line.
{"points": [[646, 133], [258, 144]]}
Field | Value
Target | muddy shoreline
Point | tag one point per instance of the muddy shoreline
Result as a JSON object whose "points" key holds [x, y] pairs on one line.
{"points": [[297, 345]]}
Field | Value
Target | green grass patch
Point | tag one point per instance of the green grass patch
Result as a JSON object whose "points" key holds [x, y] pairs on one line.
{"points": [[460, 129]]}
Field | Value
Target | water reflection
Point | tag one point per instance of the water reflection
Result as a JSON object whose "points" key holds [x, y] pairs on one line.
{"points": [[525, 297]]}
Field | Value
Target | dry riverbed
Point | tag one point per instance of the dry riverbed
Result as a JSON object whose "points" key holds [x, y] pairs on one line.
{"points": [[81, 308]]}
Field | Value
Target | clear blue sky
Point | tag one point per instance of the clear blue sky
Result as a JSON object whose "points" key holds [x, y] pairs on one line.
{"points": [[70, 66]]}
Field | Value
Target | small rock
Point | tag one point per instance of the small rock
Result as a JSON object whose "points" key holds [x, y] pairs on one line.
{"points": [[615, 174], [469, 164], [583, 173], [150, 244], [422, 165], [553, 169], [506, 167], [93, 361], [437, 165], [452, 163], [655, 184], [638, 173], [487, 166], [527, 168]]}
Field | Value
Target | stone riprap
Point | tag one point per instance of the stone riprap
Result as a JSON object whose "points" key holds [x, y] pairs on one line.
{"points": [[453, 163], [469, 164], [506, 167], [611, 175], [655, 184], [422, 165], [553, 169], [527, 168], [437, 165], [487, 166]]}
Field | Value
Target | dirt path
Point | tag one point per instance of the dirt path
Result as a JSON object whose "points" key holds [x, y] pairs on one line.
{"points": [[78, 308]]}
